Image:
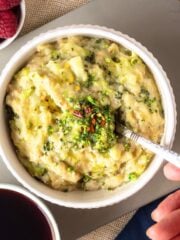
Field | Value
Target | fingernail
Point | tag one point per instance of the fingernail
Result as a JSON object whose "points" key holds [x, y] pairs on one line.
{"points": [[153, 215], [152, 232], [156, 215], [148, 233]]}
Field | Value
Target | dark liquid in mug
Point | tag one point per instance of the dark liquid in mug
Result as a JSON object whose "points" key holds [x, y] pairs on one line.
{"points": [[21, 219]]}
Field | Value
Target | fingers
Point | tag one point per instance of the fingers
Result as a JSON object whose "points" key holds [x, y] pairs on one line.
{"points": [[167, 228], [172, 172], [176, 238], [171, 203]]}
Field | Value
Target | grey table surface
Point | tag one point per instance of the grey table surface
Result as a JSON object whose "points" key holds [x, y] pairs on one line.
{"points": [[156, 24]]}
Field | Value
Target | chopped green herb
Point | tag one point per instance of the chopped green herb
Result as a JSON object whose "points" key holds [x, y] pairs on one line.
{"points": [[39, 171], [61, 122], [70, 99], [127, 52], [94, 126], [89, 81], [90, 58], [132, 176], [127, 146], [48, 146], [145, 97], [50, 130], [70, 169], [118, 95], [98, 40], [35, 170], [116, 60], [86, 178], [91, 100], [133, 61], [55, 55], [67, 129]]}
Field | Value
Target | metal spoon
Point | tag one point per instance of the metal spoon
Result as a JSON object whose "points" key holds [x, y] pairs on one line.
{"points": [[164, 152]]}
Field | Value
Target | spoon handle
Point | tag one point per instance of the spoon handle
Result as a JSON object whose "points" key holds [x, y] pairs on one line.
{"points": [[164, 152]]}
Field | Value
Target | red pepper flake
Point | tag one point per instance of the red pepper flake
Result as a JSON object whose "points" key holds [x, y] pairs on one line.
{"points": [[88, 110], [103, 122], [77, 114], [93, 121], [92, 130]]}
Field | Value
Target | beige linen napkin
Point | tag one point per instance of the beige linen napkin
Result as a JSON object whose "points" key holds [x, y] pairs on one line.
{"points": [[39, 12], [109, 231]]}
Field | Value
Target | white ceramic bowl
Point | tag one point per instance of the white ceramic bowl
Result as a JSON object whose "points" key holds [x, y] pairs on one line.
{"points": [[8, 41], [42, 207], [80, 199]]}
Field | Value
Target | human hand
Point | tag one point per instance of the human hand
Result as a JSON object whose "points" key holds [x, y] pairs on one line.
{"points": [[167, 214]]}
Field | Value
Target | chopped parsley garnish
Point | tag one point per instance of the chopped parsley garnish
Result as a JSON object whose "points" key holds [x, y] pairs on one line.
{"points": [[70, 169], [132, 176], [89, 81], [86, 178], [48, 146], [39, 171], [145, 97], [116, 60], [91, 100], [118, 95], [89, 124], [50, 130], [98, 40], [55, 55], [90, 58], [127, 146]]}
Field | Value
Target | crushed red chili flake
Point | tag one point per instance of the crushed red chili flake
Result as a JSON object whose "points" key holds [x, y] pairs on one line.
{"points": [[77, 114], [103, 122], [88, 110], [92, 130], [93, 121]]}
